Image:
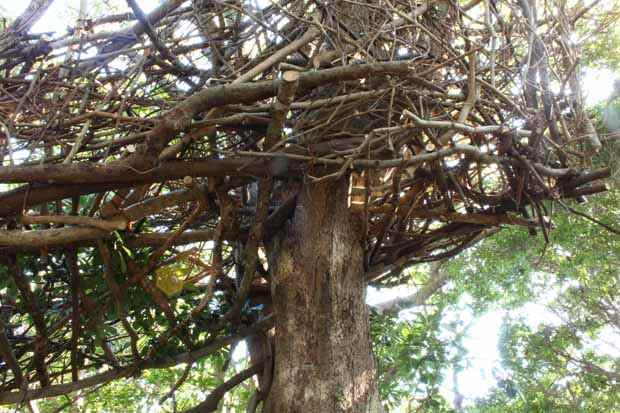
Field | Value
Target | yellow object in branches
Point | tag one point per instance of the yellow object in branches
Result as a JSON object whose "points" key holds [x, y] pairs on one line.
{"points": [[173, 277], [169, 279]]}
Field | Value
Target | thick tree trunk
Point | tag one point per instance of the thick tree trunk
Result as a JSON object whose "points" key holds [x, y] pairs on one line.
{"points": [[323, 360]]}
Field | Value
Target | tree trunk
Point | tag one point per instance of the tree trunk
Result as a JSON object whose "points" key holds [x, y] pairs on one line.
{"points": [[323, 360]]}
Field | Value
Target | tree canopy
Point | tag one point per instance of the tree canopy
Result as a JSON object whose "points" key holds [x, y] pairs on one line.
{"points": [[151, 161]]}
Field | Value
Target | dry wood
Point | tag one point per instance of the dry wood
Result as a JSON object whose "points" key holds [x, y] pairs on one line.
{"points": [[222, 127]]}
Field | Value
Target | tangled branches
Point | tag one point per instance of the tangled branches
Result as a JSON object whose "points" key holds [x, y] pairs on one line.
{"points": [[198, 123]]}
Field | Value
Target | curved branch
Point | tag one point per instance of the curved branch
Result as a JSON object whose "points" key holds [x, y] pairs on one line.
{"points": [[213, 399]]}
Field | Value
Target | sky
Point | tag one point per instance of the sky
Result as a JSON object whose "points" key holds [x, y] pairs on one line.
{"points": [[481, 340]]}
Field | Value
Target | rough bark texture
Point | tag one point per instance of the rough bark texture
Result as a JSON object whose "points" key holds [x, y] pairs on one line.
{"points": [[324, 360]]}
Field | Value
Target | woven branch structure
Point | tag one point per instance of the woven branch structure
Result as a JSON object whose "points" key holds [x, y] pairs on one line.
{"points": [[147, 158]]}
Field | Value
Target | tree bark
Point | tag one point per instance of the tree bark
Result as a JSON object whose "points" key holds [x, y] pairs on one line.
{"points": [[323, 353]]}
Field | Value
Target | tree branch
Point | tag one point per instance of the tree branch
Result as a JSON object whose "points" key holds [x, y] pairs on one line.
{"points": [[437, 280], [213, 399]]}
